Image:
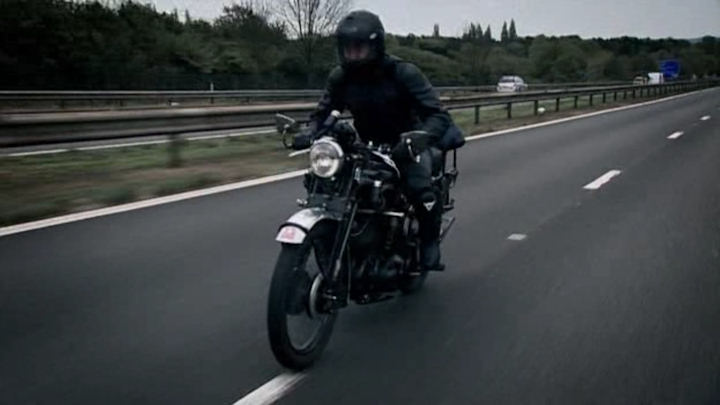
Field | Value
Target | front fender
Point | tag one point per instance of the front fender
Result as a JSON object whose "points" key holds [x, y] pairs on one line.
{"points": [[295, 229]]}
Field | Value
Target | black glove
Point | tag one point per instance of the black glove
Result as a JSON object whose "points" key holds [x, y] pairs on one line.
{"points": [[402, 152], [302, 140], [410, 146]]}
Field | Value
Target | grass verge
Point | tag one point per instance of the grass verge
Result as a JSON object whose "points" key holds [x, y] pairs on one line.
{"points": [[41, 186]]}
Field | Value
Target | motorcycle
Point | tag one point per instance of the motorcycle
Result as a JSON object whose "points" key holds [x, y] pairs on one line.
{"points": [[354, 239]]}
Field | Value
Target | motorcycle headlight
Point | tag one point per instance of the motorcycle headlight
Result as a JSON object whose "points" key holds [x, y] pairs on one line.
{"points": [[326, 158]]}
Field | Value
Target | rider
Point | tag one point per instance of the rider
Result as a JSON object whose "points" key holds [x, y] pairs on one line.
{"points": [[387, 97]]}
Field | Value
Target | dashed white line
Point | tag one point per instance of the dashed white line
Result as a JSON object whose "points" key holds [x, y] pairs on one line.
{"points": [[676, 135], [517, 237], [705, 118], [272, 390], [602, 180]]}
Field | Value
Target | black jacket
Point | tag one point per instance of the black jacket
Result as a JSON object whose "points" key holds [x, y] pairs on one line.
{"points": [[385, 99]]}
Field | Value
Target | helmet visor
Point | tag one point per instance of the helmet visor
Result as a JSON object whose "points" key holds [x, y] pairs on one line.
{"points": [[356, 51]]}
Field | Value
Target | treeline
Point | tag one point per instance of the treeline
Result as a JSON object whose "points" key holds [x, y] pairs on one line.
{"points": [[59, 44]]}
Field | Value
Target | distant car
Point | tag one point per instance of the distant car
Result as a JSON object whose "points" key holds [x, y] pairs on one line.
{"points": [[511, 84], [639, 81], [656, 78]]}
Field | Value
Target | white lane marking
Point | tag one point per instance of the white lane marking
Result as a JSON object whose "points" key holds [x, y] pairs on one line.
{"points": [[141, 143], [577, 117], [44, 223], [40, 152], [233, 135], [272, 390], [602, 180], [122, 145], [676, 135], [705, 118], [184, 196], [517, 237]]}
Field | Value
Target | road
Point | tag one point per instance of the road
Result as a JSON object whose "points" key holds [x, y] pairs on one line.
{"points": [[612, 297]]}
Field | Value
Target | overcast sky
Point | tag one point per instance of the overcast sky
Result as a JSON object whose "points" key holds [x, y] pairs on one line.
{"points": [[587, 18]]}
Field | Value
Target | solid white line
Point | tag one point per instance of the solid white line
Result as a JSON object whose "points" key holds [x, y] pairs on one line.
{"points": [[602, 180], [578, 117], [517, 237], [199, 193], [29, 226], [705, 118], [232, 135], [676, 135], [272, 390], [123, 145], [141, 143], [41, 152]]}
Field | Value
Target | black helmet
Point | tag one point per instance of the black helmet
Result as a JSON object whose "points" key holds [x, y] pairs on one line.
{"points": [[361, 27]]}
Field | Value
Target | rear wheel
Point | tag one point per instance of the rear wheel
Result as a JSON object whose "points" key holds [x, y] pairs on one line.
{"points": [[298, 328], [413, 283]]}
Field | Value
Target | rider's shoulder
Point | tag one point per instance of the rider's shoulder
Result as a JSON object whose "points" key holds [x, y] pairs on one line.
{"points": [[337, 75], [404, 70]]}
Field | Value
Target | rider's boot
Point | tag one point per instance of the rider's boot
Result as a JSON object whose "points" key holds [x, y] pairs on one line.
{"points": [[430, 220]]}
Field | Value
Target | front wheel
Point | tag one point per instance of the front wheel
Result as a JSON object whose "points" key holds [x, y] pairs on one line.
{"points": [[298, 328]]}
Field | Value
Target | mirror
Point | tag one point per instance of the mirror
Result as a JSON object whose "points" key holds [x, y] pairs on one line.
{"points": [[285, 124]]}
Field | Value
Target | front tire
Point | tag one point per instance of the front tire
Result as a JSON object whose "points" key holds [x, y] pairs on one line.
{"points": [[293, 301]]}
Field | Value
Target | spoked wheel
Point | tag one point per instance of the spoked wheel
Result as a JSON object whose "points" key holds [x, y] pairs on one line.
{"points": [[298, 327]]}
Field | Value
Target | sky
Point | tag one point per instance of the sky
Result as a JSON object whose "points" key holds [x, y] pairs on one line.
{"points": [[587, 18]]}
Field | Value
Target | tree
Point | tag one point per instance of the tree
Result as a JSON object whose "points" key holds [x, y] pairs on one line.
{"points": [[309, 21], [249, 42], [473, 33], [504, 33], [436, 31], [513, 31], [488, 35]]}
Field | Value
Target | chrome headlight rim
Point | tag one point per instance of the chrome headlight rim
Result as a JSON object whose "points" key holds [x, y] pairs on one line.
{"points": [[328, 149]]}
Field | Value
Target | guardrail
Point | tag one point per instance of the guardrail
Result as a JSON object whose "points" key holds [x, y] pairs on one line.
{"points": [[38, 129], [62, 98]]}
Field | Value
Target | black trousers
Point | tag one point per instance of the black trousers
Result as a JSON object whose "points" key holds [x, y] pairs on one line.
{"points": [[417, 184]]}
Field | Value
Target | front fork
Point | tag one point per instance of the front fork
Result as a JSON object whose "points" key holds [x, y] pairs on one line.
{"points": [[338, 289]]}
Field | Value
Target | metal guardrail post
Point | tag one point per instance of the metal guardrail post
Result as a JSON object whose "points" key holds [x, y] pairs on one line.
{"points": [[604, 97], [576, 101], [591, 99], [536, 106], [509, 110], [477, 114], [557, 104], [174, 147]]}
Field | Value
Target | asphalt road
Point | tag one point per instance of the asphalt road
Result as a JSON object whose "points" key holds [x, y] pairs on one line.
{"points": [[613, 297]]}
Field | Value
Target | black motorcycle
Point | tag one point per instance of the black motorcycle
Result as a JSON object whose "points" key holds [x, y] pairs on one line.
{"points": [[355, 238]]}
